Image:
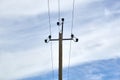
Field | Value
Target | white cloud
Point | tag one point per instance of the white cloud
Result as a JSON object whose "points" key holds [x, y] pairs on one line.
{"points": [[22, 7], [32, 7], [98, 39], [109, 13], [101, 43], [21, 64]]}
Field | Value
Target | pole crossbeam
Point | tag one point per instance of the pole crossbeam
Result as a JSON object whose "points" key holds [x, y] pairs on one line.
{"points": [[60, 46], [62, 39]]}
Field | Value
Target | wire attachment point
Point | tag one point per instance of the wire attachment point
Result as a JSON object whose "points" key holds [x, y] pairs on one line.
{"points": [[58, 23], [74, 38], [46, 41], [49, 36], [62, 19]]}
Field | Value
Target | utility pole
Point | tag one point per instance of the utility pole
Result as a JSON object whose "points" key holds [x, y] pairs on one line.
{"points": [[60, 45]]}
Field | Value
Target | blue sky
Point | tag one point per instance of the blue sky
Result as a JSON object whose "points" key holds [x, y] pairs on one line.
{"points": [[24, 26], [96, 70]]}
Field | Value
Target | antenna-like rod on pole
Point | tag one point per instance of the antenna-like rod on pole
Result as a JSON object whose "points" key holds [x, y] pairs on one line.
{"points": [[60, 39]]}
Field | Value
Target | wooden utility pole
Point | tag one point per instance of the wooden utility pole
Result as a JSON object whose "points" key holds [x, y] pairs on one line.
{"points": [[60, 45]]}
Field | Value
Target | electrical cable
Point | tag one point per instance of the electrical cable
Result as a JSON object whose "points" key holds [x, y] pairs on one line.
{"points": [[68, 75], [49, 16], [71, 41], [73, 16], [59, 14], [52, 61], [51, 42]]}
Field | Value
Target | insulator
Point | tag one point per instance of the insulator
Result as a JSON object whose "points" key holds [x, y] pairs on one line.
{"points": [[45, 40], [49, 36], [58, 23], [72, 35], [76, 40], [62, 19]]}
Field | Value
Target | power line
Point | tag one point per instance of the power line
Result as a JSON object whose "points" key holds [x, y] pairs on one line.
{"points": [[49, 16], [73, 15], [51, 42], [69, 61], [59, 14], [52, 61]]}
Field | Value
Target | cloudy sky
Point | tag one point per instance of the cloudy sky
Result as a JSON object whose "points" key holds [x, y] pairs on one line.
{"points": [[24, 25]]}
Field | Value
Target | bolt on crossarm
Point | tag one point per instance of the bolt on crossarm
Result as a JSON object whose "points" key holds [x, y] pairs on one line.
{"points": [[60, 39]]}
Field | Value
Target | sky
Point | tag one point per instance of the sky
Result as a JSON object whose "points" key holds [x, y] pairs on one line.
{"points": [[24, 25], [95, 70]]}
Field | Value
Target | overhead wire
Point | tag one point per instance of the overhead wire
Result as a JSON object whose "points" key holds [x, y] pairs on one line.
{"points": [[59, 14], [49, 16], [69, 59], [52, 61], [73, 10]]}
